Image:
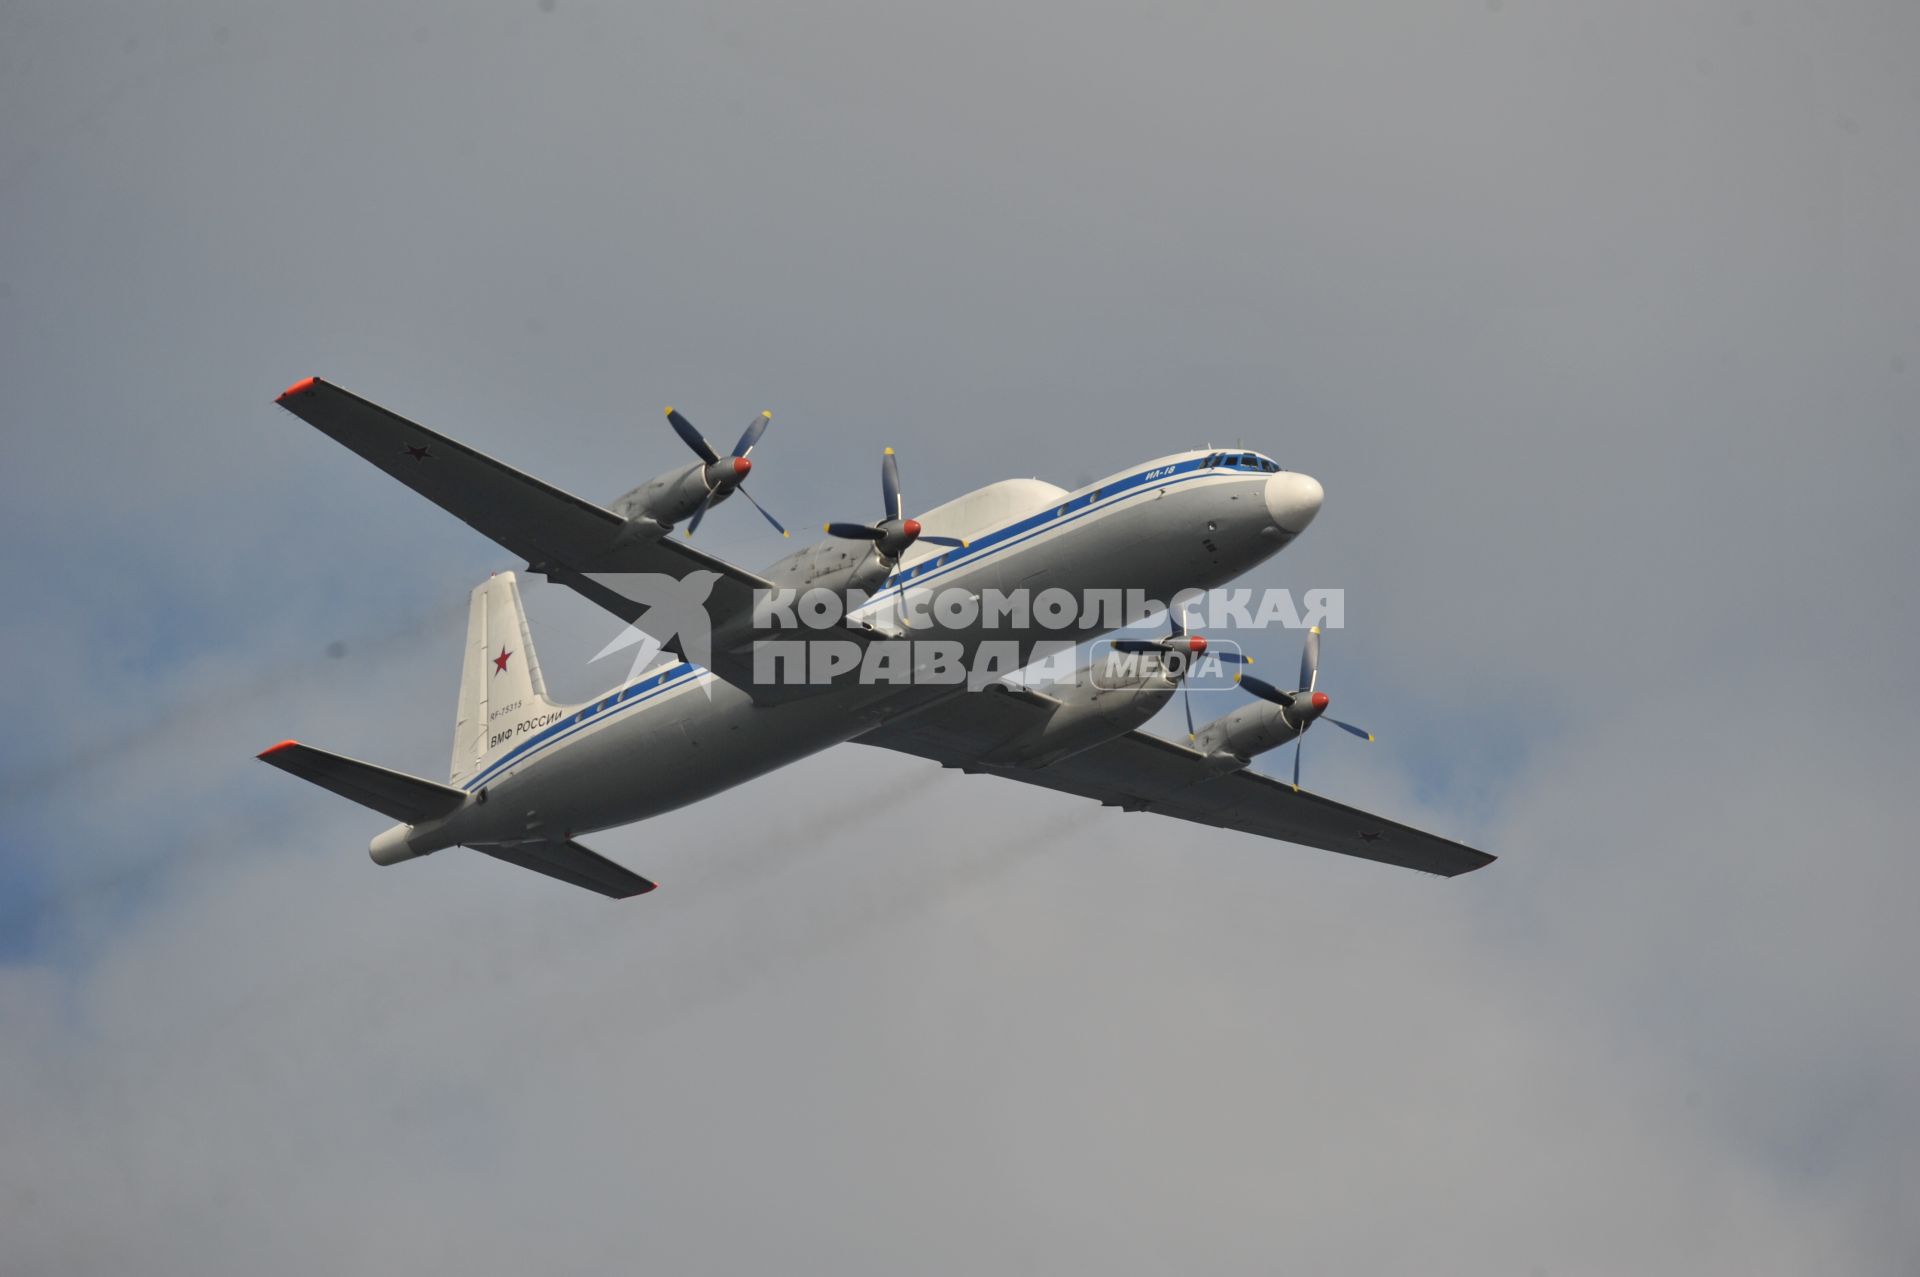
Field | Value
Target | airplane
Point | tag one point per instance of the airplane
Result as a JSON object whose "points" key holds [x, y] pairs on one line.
{"points": [[529, 775]]}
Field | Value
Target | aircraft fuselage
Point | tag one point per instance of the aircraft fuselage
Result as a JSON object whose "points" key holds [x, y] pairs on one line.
{"points": [[681, 734]]}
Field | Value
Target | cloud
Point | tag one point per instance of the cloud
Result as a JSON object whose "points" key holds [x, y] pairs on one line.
{"points": [[1598, 329]]}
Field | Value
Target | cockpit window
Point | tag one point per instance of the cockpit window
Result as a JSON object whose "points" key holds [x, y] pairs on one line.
{"points": [[1241, 461]]}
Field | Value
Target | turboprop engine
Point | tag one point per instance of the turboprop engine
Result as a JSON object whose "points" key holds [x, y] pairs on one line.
{"points": [[653, 508], [1106, 699], [891, 537], [1281, 717], [1113, 695]]}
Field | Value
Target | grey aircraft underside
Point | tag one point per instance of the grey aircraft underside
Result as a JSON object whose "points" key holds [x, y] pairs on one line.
{"points": [[529, 775]]}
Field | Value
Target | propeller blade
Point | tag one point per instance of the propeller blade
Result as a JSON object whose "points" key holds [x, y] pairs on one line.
{"points": [[1186, 699], [700, 511], [1232, 658], [890, 486], [692, 438], [1310, 660], [763, 511], [854, 531], [1264, 690], [757, 428], [1137, 645], [1361, 732], [1297, 742], [930, 539]]}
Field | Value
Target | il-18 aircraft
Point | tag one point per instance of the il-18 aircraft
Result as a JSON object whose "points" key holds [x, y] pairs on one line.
{"points": [[529, 775]]}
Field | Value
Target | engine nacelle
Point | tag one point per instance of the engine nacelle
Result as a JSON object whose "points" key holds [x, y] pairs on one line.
{"points": [[839, 565], [1094, 709], [1249, 730], [666, 499]]}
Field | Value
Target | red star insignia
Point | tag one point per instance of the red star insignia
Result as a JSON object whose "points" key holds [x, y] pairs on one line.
{"points": [[419, 452], [500, 661]]}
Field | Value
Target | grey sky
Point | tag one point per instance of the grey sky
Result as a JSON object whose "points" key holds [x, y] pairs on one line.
{"points": [[1600, 324]]}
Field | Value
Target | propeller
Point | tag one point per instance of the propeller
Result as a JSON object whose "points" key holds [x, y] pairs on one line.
{"points": [[724, 475], [1189, 646], [1306, 706], [894, 533]]}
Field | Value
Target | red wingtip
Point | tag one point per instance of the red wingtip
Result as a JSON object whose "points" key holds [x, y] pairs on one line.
{"points": [[740, 467], [299, 387], [274, 749]]}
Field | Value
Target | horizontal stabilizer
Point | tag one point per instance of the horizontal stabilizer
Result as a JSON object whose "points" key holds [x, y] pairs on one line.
{"points": [[571, 863], [405, 798]]}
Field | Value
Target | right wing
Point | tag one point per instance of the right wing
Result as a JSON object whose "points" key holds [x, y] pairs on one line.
{"points": [[1138, 772], [562, 537]]}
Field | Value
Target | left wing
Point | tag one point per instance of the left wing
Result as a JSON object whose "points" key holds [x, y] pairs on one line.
{"points": [[1138, 772], [562, 537]]}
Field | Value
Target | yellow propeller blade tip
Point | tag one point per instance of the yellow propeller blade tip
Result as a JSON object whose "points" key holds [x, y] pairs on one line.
{"points": [[825, 527], [889, 452], [766, 414], [669, 410], [1314, 630], [785, 533]]}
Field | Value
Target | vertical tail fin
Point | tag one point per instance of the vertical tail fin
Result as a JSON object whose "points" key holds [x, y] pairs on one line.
{"points": [[501, 690]]}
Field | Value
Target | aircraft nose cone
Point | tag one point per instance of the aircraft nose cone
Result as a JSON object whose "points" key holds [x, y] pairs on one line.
{"points": [[1293, 499]]}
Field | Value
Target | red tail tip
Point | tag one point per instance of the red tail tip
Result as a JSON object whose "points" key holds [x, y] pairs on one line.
{"points": [[740, 467], [299, 387], [274, 749], [911, 527]]}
